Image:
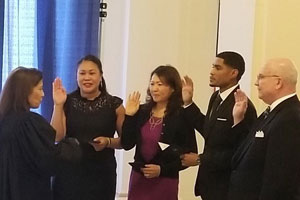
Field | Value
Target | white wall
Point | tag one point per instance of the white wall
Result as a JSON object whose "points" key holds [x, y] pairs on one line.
{"points": [[277, 30], [236, 33], [114, 56]]}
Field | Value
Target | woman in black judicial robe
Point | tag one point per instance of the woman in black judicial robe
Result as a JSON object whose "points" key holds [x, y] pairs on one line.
{"points": [[28, 155]]}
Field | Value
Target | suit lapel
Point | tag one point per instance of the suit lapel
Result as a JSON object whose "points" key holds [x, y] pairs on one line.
{"points": [[247, 143], [207, 123], [259, 125], [227, 102], [212, 99]]}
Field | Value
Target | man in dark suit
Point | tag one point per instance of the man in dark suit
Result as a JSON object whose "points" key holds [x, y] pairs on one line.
{"points": [[216, 127], [267, 165]]}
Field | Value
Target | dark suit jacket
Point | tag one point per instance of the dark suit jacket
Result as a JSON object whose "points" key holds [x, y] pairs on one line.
{"points": [[220, 144], [176, 132], [268, 167]]}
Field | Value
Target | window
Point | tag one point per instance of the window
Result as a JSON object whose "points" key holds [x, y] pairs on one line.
{"points": [[19, 42]]}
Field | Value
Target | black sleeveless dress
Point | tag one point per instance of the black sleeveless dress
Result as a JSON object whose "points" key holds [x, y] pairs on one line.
{"points": [[94, 178]]}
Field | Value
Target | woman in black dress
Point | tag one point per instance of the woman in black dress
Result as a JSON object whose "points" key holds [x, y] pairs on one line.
{"points": [[28, 155], [92, 116]]}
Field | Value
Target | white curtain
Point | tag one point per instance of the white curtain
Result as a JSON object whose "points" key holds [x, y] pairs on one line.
{"points": [[19, 40]]}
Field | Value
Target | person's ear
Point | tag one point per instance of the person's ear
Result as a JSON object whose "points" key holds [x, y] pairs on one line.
{"points": [[235, 73], [279, 83]]}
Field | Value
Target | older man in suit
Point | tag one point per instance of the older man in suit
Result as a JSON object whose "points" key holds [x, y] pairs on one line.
{"points": [[267, 165], [216, 126]]}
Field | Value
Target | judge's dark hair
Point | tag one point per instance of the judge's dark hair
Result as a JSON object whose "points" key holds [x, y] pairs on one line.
{"points": [[96, 60], [16, 90], [169, 76], [233, 60]]}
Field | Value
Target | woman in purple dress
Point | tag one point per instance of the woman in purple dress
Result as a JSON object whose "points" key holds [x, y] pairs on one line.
{"points": [[160, 134]]}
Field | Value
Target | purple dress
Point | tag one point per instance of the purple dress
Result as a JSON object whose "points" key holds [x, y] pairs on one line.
{"points": [[160, 188]]}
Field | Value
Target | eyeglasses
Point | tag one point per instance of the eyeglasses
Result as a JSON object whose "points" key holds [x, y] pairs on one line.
{"points": [[261, 76]]}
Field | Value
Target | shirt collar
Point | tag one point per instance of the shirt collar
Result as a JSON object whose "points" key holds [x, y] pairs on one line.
{"points": [[278, 101], [227, 92]]}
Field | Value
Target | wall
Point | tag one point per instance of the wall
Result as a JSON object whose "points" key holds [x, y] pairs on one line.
{"points": [[277, 30], [260, 29], [236, 33]]}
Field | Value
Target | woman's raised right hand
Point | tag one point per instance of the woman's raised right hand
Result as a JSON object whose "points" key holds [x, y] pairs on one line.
{"points": [[133, 103], [59, 92]]}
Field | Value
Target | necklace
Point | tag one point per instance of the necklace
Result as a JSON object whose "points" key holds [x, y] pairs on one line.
{"points": [[154, 121]]}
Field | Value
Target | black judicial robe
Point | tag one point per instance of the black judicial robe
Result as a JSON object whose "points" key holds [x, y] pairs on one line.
{"points": [[29, 156]]}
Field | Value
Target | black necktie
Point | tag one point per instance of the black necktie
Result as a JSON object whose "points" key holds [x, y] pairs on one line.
{"points": [[266, 112], [215, 105]]}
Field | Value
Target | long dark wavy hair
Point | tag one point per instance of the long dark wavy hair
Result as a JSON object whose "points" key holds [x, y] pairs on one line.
{"points": [[16, 90], [170, 76], [96, 60]]}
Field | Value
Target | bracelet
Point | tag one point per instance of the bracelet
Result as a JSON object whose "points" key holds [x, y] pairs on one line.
{"points": [[198, 160], [108, 142]]}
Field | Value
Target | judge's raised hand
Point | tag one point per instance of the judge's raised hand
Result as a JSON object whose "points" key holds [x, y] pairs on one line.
{"points": [[187, 90], [133, 103], [240, 106], [58, 92]]}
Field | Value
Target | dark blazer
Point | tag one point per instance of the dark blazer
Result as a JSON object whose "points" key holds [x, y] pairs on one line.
{"points": [[176, 132], [220, 144], [267, 165]]}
